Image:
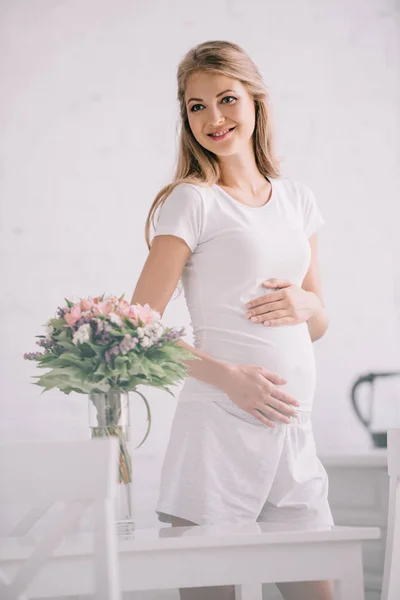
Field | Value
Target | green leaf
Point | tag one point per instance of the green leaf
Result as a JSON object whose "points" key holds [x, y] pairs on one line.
{"points": [[67, 359], [156, 369], [57, 323], [88, 349], [121, 360], [103, 369]]}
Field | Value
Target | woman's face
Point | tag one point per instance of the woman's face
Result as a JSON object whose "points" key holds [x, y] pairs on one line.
{"points": [[216, 103]]}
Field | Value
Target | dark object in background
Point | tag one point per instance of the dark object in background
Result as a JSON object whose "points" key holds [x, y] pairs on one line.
{"points": [[378, 433]]}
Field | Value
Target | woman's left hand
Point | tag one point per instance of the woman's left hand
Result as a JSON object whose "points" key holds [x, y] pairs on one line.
{"points": [[288, 305]]}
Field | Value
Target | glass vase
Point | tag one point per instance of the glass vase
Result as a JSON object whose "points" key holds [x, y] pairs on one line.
{"points": [[109, 415]]}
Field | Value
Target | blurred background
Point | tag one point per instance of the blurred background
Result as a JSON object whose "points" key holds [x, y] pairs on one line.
{"points": [[88, 136]]}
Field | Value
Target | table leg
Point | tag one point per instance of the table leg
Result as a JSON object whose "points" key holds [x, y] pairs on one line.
{"points": [[350, 586], [249, 591]]}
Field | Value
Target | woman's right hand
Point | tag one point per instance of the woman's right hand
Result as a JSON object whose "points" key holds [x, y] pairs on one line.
{"points": [[254, 389]]}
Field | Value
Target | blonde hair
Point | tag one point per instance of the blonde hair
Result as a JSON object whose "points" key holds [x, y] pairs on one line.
{"points": [[196, 164]]}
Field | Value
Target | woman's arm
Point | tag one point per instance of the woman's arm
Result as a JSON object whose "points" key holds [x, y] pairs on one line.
{"points": [[318, 323], [156, 284], [208, 369]]}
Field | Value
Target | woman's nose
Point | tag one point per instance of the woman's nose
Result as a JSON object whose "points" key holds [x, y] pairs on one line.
{"points": [[216, 116]]}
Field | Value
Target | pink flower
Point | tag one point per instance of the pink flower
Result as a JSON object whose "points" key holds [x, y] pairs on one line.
{"points": [[85, 304], [73, 315], [146, 314], [120, 310], [122, 304], [131, 313], [103, 308]]}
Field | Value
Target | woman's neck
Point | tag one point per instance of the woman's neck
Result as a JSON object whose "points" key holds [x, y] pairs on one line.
{"points": [[240, 172]]}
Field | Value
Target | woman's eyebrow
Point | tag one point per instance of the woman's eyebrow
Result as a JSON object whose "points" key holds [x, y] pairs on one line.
{"points": [[217, 96]]}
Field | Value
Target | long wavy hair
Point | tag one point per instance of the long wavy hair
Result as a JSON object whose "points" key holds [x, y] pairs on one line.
{"points": [[196, 164]]}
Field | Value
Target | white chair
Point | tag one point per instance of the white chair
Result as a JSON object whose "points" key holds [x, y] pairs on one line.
{"points": [[391, 573], [78, 473], [241, 554]]}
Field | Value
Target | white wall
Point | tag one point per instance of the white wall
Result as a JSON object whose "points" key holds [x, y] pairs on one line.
{"points": [[88, 136]]}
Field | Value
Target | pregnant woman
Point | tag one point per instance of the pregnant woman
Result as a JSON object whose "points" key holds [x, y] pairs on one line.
{"points": [[244, 241]]}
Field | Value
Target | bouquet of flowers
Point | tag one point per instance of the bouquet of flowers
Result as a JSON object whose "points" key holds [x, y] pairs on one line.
{"points": [[105, 347], [102, 344]]}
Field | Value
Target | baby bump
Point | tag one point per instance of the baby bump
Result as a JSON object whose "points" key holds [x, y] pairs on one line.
{"points": [[285, 350]]}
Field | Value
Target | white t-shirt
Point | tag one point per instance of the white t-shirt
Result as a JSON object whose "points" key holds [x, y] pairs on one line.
{"points": [[234, 249]]}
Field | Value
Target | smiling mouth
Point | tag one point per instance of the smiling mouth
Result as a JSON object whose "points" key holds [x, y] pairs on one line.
{"points": [[221, 136]]}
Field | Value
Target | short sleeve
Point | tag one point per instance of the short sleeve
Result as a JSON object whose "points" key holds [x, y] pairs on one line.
{"points": [[181, 215], [312, 217]]}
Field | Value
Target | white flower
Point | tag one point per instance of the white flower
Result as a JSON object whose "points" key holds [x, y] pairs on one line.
{"points": [[156, 316], [154, 331], [146, 342], [82, 335], [159, 331], [115, 319], [140, 332], [49, 332]]}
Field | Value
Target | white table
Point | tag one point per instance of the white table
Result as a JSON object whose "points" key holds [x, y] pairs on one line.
{"points": [[241, 553]]}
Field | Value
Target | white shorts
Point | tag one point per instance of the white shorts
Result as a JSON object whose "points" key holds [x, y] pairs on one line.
{"points": [[224, 465]]}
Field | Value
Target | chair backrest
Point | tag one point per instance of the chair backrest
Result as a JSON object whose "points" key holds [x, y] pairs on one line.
{"points": [[391, 575], [80, 474]]}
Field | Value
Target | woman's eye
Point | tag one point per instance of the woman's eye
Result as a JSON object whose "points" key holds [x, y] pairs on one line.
{"points": [[196, 109], [232, 97]]}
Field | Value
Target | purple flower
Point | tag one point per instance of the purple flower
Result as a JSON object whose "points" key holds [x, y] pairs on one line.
{"points": [[82, 321], [128, 343], [112, 351], [45, 343], [61, 312], [32, 355]]}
